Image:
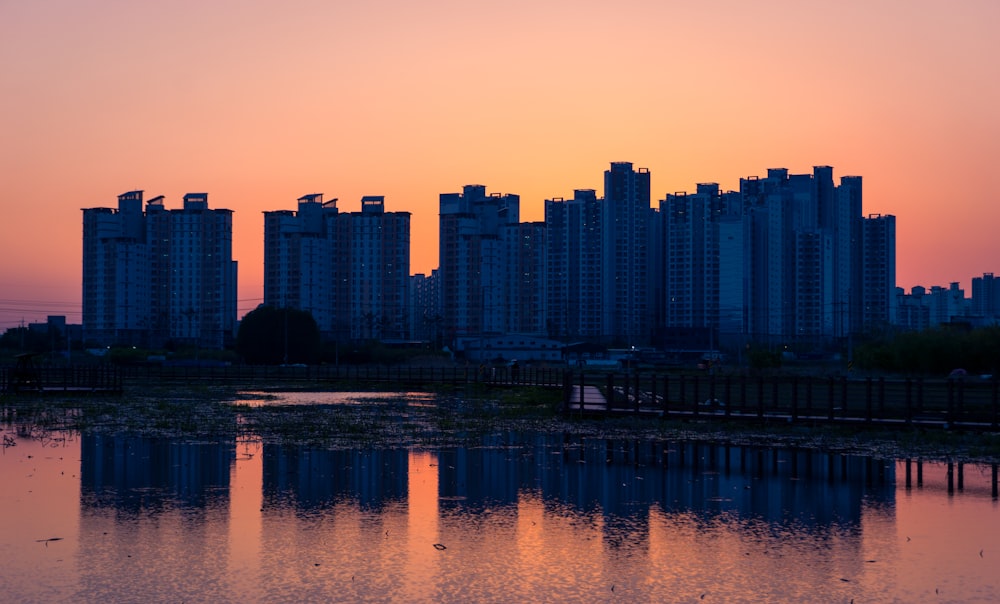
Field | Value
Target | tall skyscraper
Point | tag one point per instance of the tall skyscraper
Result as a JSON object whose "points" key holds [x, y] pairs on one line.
{"points": [[879, 282], [574, 261], [524, 284], [373, 261], [701, 246], [116, 275], [625, 229], [159, 276], [472, 262], [426, 320]]}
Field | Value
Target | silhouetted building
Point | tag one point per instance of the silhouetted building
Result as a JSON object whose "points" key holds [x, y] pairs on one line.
{"points": [[625, 231], [696, 230], [923, 309], [350, 270], [524, 286], [163, 275], [986, 297], [425, 308], [805, 271], [473, 265], [574, 262], [299, 259], [373, 272], [878, 287]]}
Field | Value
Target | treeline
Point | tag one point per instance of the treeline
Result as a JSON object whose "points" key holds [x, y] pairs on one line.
{"points": [[933, 351]]}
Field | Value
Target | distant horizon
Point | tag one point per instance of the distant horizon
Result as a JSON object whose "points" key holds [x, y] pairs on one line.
{"points": [[259, 103]]}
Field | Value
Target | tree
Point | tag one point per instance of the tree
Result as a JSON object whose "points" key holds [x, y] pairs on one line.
{"points": [[270, 336], [26, 340]]}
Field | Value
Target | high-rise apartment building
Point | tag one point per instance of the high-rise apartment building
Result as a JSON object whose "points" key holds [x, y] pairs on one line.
{"points": [[472, 261], [701, 249], [426, 319], [574, 261], [350, 270], [804, 257], [523, 296], [878, 287], [299, 258], [373, 272], [158, 276], [986, 297], [625, 230]]}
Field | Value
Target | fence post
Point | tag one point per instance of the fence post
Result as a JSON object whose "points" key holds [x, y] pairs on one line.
{"points": [[567, 390], [795, 397], [829, 398], [843, 396], [666, 395], [960, 412], [868, 399], [951, 401], [625, 389], [881, 398], [993, 423], [635, 391], [728, 401], [611, 393], [760, 396], [697, 395]]}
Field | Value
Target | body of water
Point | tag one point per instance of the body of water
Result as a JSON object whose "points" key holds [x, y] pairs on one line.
{"points": [[507, 517]]}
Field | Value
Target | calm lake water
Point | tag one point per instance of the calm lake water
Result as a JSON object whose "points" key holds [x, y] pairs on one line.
{"points": [[512, 517]]}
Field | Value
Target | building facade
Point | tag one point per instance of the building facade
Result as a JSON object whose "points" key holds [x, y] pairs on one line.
{"points": [[473, 267], [626, 290], [574, 265], [159, 276], [299, 259], [350, 270]]}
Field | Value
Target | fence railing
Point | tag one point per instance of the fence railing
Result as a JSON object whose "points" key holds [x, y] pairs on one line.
{"points": [[102, 378], [952, 402]]}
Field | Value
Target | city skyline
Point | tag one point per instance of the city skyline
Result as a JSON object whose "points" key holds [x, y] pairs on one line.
{"points": [[260, 106]]}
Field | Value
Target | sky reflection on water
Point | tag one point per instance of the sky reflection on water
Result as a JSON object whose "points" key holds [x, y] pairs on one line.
{"points": [[515, 517]]}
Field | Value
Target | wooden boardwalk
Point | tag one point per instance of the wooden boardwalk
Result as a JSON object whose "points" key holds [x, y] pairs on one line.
{"points": [[590, 400], [933, 403]]}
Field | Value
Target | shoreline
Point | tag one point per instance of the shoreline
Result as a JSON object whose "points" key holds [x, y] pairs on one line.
{"points": [[459, 415]]}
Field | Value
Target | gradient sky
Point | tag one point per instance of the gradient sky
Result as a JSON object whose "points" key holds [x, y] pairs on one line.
{"points": [[258, 103]]}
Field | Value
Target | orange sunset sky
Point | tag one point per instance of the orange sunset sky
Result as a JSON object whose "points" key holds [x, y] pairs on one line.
{"points": [[258, 103]]}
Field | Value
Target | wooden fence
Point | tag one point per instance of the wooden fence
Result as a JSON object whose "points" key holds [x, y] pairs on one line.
{"points": [[967, 402]]}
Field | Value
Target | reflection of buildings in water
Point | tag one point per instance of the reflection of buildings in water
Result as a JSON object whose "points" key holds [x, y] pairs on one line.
{"points": [[149, 506], [136, 473], [316, 478], [624, 479]]}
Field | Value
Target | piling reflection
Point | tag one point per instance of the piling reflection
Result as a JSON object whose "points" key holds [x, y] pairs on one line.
{"points": [[626, 478]]}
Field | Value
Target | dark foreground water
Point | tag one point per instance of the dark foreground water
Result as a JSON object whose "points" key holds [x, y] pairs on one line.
{"points": [[513, 517]]}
